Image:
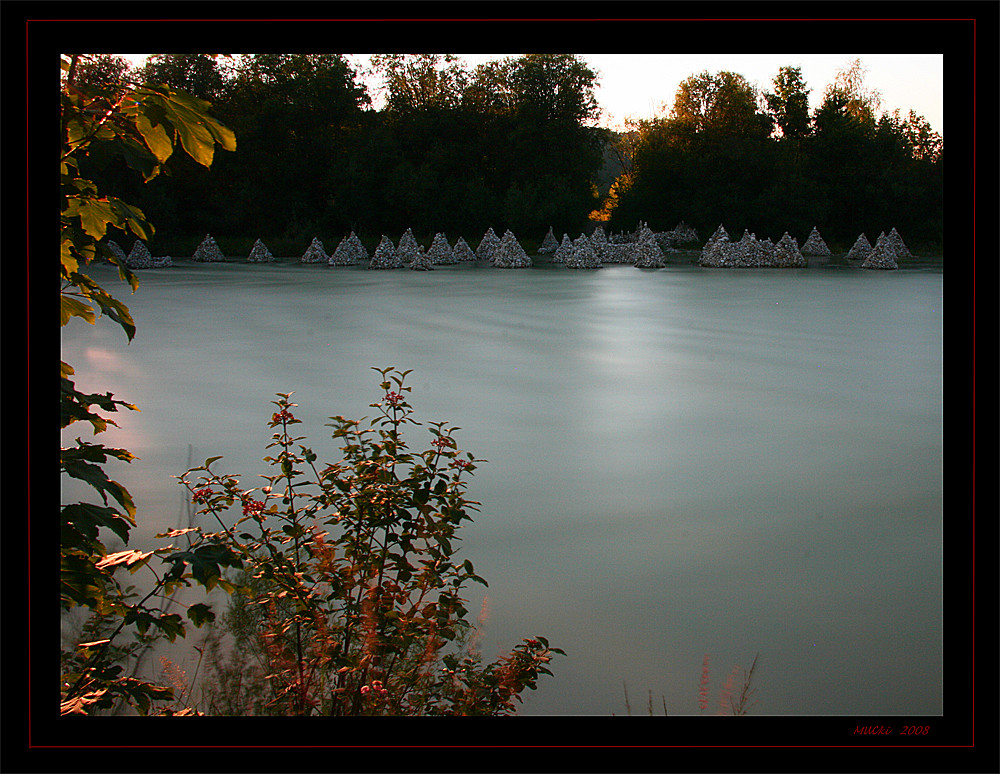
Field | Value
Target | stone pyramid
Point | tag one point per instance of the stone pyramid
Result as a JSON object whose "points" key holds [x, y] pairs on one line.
{"points": [[787, 253], [421, 260], [259, 253], [648, 254], [208, 251], [139, 257], [711, 253], [584, 255], [549, 244], [564, 251], [440, 251], [116, 248], [510, 254], [349, 252], [815, 245], [462, 251], [385, 256], [861, 249], [488, 246], [898, 246], [315, 253], [406, 250], [882, 255]]}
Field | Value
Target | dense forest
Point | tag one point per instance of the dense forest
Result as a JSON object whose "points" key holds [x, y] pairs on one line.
{"points": [[514, 144]]}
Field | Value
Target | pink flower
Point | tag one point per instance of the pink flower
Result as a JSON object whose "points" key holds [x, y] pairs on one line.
{"points": [[441, 442], [282, 416], [393, 398], [201, 495], [252, 507]]}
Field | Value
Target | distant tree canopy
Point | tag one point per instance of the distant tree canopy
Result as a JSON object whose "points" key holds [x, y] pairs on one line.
{"points": [[513, 143], [726, 155]]}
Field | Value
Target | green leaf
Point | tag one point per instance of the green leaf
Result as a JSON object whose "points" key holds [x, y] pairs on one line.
{"points": [[71, 307], [157, 138], [200, 614]]}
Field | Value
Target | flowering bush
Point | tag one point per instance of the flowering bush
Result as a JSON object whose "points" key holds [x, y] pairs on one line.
{"points": [[351, 595]]}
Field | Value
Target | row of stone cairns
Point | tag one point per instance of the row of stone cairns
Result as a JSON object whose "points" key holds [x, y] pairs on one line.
{"points": [[643, 249], [721, 251]]}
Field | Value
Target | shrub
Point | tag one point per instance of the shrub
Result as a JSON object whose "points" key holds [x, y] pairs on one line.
{"points": [[350, 596]]}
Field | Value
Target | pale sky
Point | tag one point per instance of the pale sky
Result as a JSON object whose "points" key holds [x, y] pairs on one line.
{"points": [[644, 85]]}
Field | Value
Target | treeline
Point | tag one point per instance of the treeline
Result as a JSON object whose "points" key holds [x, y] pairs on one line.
{"points": [[764, 161], [509, 144], [512, 144]]}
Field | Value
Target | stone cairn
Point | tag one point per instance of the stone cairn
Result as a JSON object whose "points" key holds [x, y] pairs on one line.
{"points": [[750, 252], [612, 252], [549, 244], [386, 256], [861, 249], [463, 253], [116, 248], [421, 260], [139, 258], [584, 255], [787, 253], [440, 251], [882, 256], [510, 254], [648, 254], [815, 245], [406, 250], [315, 253], [713, 252], [259, 253], [564, 251], [208, 251], [488, 246], [349, 252], [898, 246]]}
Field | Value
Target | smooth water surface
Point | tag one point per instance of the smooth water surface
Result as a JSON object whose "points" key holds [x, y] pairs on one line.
{"points": [[681, 462]]}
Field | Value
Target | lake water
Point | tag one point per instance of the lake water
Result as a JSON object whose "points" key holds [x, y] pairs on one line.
{"points": [[681, 462]]}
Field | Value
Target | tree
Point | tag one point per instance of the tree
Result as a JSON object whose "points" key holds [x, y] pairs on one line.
{"points": [[145, 124], [195, 74], [788, 105], [722, 104], [849, 86], [420, 81]]}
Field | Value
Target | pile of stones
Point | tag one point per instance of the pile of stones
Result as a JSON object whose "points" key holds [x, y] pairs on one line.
{"points": [[860, 250], [349, 252], [440, 252], [564, 251], [488, 246], [750, 252], [421, 260], [882, 256], [787, 253], [462, 251], [648, 254], [208, 251], [549, 244], [140, 257], [898, 246], [814, 244], [259, 253], [584, 254], [386, 256], [509, 253], [406, 250], [315, 253]]}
